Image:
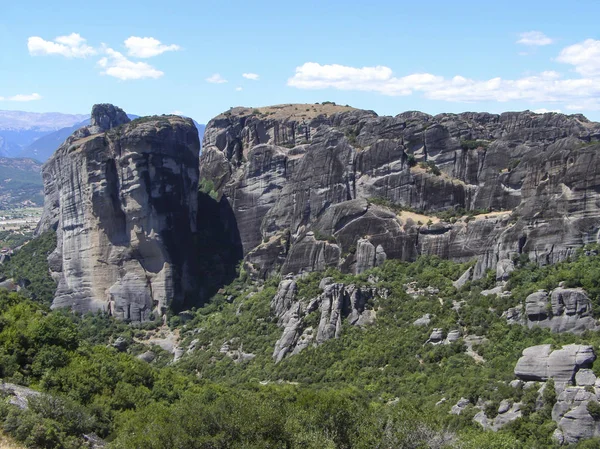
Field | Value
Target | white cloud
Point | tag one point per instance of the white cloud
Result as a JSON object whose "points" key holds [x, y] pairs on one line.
{"points": [[585, 56], [118, 66], [251, 76], [22, 97], [147, 47], [239, 89], [545, 111], [177, 112], [216, 79], [534, 39], [71, 46], [549, 87]]}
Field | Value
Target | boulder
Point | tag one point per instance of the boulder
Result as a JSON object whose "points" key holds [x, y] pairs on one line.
{"points": [[503, 269], [436, 337], [147, 356], [423, 321], [540, 363], [585, 377], [563, 310], [463, 279], [537, 306], [19, 395], [452, 337], [120, 344], [460, 406]]}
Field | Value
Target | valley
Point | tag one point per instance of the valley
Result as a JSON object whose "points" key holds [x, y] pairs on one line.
{"points": [[321, 278]]}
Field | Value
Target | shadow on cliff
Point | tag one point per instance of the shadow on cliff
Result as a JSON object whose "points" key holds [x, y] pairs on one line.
{"points": [[218, 248]]}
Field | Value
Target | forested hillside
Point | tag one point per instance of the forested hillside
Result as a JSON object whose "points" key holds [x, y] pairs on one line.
{"points": [[382, 384]]}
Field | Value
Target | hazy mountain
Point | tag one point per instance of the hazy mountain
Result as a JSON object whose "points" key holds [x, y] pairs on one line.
{"points": [[19, 129], [20, 180], [42, 148], [38, 135]]}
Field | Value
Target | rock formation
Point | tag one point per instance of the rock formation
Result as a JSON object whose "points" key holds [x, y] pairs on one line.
{"points": [[337, 302], [540, 363], [575, 383], [563, 310], [315, 186], [122, 197]]}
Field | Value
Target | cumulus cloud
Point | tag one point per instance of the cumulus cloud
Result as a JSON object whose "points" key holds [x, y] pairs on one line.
{"points": [[112, 63], [251, 76], [22, 97], [549, 87], [238, 89], [216, 79], [534, 39], [147, 47], [71, 46], [585, 56], [115, 64]]}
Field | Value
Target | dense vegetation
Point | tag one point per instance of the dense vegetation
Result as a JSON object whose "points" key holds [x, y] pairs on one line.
{"points": [[29, 268], [374, 387]]}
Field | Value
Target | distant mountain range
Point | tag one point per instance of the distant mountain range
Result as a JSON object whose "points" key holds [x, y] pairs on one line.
{"points": [[20, 182], [38, 135], [18, 129]]}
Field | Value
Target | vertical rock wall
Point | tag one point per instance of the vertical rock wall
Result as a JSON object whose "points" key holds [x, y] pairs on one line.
{"points": [[122, 197]]}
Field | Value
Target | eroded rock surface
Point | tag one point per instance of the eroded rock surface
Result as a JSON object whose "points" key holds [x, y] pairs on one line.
{"points": [[122, 197], [337, 302], [327, 176], [562, 310], [540, 363]]}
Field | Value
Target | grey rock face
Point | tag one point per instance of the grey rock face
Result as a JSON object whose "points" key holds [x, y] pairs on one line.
{"points": [[570, 413], [336, 303], [295, 174], [453, 336], [507, 413], [106, 116], [436, 337], [147, 356], [423, 321], [120, 344], [540, 363], [503, 269], [514, 315], [124, 203], [463, 279], [460, 406], [19, 395], [564, 310], [585, 378]]}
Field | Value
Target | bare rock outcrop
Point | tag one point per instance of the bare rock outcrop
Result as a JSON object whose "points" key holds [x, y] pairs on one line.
{"points": [[122, 197], [562, 310], [332, 178], [337, 302], [576, 385], [540, 363]]}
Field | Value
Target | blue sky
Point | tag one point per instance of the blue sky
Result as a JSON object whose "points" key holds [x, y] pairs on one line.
{"points": [[153, 57]]}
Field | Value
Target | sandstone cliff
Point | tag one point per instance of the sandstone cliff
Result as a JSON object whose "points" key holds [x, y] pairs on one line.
{"points": [[122, 197], [314, 186]]}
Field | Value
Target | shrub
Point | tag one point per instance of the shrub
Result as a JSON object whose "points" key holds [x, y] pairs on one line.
{"points": [[593, 409], [473, 144], [430, 167]]}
